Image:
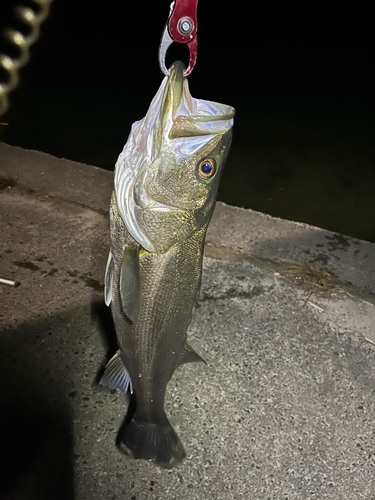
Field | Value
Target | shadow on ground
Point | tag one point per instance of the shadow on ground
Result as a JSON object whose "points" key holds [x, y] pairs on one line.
{"points": [[35, 418]]}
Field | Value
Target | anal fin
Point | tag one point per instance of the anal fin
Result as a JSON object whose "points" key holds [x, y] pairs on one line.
{"points": [[115, 375]]}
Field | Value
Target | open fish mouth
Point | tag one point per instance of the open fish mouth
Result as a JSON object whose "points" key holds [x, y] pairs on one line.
{"points": [[175, 128]]}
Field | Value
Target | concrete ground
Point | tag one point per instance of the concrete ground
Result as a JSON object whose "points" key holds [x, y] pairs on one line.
{"points": [[285, 407]]}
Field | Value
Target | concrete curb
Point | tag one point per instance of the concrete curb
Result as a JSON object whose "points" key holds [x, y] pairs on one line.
{"points": [[254, 234]]}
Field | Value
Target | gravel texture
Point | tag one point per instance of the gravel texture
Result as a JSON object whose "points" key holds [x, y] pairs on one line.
{"points": [[284, 408]]}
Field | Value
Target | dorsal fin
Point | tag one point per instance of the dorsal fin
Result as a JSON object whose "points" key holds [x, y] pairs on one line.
{"points": [[188, 355]]}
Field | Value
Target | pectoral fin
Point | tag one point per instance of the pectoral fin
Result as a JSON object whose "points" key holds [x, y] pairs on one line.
{"points": [[188, 355], [130, 283], [108, 279]]}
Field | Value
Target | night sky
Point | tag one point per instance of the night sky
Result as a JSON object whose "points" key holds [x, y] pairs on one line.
{"points": [[301, 78]]}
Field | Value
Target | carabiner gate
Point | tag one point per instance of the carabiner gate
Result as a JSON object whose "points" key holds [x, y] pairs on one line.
{"points": [[181, 28]]}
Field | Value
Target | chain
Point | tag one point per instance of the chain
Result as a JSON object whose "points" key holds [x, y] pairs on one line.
{"points": [[11, 66]]}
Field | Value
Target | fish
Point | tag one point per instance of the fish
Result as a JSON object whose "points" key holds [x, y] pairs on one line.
{"points": [[165, 185]]}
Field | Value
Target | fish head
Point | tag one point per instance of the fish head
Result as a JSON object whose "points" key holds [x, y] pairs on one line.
{"points": [[167, 176]]}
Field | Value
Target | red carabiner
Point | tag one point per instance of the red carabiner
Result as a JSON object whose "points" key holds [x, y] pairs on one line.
{"points": [[181, 28]]}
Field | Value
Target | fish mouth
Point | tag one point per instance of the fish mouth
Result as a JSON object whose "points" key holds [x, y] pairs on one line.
{"points": [[175, 122]]}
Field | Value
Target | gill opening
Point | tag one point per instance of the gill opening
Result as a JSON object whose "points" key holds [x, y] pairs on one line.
{"points": [[10, 66]]}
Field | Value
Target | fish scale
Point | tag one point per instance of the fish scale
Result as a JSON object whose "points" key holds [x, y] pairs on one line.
{"points": [[156, 300], [166, 181], [158, 336]]}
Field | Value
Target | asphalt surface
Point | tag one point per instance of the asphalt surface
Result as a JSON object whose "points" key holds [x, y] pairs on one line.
{"points": [[285, 407]]}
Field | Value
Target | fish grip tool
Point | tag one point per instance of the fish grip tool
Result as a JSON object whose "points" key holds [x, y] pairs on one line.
{"points": [[181, 28]]}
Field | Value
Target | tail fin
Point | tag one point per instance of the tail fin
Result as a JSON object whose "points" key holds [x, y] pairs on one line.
{"points": [[156, 442]]}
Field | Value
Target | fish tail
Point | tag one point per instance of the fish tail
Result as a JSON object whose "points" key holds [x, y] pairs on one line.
{"points": [[151, 441]]}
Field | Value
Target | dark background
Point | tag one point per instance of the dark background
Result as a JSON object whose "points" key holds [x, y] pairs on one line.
{"points": [[301, 77]]}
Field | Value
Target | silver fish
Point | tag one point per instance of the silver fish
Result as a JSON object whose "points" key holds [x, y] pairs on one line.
{"points": [[165, 186]]}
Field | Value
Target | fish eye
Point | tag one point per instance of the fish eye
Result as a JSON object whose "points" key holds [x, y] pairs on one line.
{"points": [[206, 169]]}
